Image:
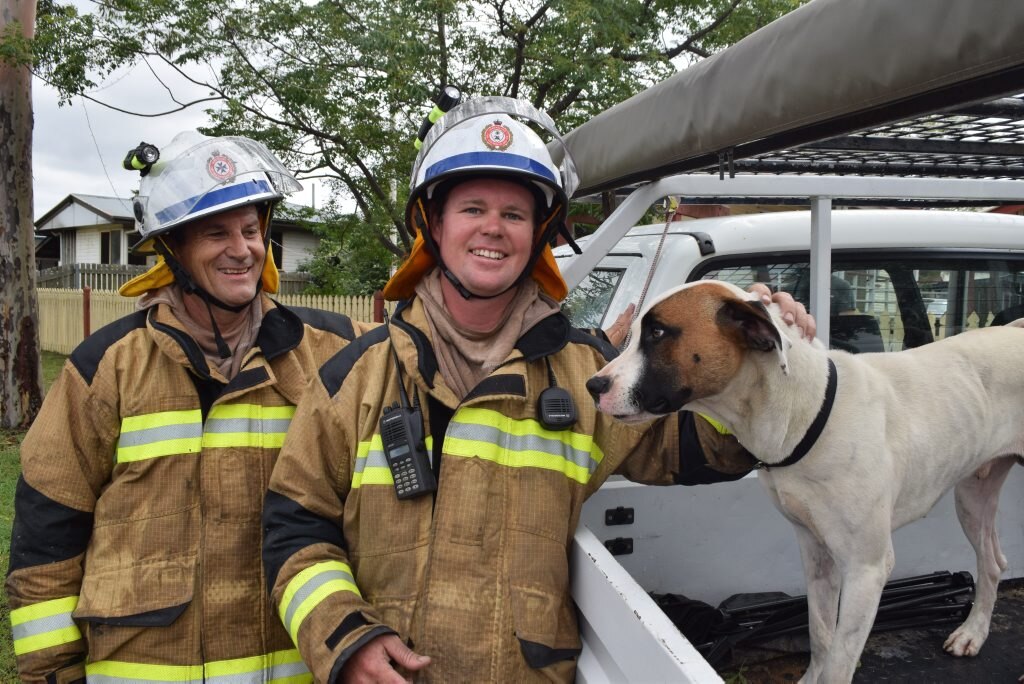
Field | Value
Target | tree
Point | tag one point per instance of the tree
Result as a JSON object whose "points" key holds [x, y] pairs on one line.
{"points": [[21, 384], [339, 89]]}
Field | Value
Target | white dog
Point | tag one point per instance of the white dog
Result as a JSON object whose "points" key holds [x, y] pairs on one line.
{"points": [[902, 429]]}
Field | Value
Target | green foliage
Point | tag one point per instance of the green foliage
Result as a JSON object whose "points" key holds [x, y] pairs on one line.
{"points": [[349, 260], [52, 364], [339, 89]]}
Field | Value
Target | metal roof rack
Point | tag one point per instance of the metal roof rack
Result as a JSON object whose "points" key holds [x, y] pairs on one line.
{"points": [[983, 140]]}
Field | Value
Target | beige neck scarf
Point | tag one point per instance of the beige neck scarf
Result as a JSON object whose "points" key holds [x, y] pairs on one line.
{"points": [[240, 334], [466, 357]]}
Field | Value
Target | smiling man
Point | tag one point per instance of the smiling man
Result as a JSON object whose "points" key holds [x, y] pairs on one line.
{"points": [[135, 553], [420, 515]]}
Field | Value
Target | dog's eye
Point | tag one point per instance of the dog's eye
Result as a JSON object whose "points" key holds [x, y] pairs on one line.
{"points": [[657, 332]]}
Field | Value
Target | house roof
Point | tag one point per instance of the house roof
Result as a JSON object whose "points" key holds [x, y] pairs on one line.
{"points": [[113, 209]]}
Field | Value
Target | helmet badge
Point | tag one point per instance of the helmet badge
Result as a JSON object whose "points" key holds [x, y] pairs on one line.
{"points": [[497, 136], [220, 167]]}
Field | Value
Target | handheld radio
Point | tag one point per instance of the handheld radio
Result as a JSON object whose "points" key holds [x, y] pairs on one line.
{"points": [[401, 432]]}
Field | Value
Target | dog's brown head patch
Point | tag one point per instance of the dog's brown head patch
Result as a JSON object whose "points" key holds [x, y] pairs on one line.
{"points": [[694, 341]]}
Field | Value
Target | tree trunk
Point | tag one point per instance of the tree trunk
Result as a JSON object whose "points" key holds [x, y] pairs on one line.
{"points": [[20, 372]]}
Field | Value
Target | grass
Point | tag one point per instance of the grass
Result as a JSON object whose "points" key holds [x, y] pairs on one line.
{"points": [[10, 469]]}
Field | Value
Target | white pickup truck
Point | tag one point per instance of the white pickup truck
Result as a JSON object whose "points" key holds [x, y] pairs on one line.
{"points": [[899, 279], [860, 103]]}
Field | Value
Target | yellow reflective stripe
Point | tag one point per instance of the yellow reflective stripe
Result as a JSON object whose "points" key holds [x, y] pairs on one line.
{"points": [[162, 419], [280, 667], [44, 624], [44, 609], [371, 466], [309, 588], [247, 425], [495, 437], [154, 435], [112, 671], [165, 448], [722, 430]]}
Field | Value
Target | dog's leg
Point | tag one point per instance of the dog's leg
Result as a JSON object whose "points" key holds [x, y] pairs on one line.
{"points": [[865, 562], [822, 599], [976, 500]]}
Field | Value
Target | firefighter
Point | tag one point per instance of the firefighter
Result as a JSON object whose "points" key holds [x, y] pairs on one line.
{"points": [[135, 553], [419, 519]]}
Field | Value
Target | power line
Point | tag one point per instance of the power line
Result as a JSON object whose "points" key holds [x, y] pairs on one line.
{"points": [[100, 155]]}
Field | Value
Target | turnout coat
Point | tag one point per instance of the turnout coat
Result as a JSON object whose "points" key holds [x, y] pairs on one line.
{"points": [[136, 542], [476, 576]]}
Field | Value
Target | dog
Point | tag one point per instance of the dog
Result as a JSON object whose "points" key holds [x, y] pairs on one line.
{"points": [[849, 447]]}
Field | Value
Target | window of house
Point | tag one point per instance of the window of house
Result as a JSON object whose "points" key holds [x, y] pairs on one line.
{"points": [[67, 247], [276, 240], [110, 247]]}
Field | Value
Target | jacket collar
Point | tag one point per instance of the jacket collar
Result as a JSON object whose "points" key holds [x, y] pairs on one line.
{"points": [[280, 332], [548, 337]]}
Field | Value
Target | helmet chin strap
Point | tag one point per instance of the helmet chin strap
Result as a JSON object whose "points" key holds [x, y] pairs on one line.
{"points": [[190, 286], [543, 236]]}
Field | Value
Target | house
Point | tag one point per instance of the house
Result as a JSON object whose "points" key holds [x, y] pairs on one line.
{"points": [[94, 229]]}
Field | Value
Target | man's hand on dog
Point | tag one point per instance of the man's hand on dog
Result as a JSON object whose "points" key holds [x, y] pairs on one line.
{"points": [[793, 312]]}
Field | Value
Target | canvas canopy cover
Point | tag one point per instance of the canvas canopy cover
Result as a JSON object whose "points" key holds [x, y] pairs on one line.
{"points": [[828, 68]]}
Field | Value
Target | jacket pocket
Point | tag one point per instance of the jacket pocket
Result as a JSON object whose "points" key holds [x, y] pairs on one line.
{"points": [[148, 594], [543, 614], [546, 627], [69, 674]]}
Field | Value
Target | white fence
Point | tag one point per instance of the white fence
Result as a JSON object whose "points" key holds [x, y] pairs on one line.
{"points": [[112, 276]]}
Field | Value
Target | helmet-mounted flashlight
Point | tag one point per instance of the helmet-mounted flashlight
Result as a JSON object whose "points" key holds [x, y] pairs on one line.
{"points": [[445, 100], [141, 158]]}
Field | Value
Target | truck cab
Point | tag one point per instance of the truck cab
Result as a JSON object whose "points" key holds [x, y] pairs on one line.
{"points": [[898, 278]]}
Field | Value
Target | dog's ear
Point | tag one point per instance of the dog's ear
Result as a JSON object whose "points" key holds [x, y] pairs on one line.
{"points": [[750, 319]]}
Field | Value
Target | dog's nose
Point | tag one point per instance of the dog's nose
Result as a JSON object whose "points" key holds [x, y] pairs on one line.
{"points": [[598, 385]]}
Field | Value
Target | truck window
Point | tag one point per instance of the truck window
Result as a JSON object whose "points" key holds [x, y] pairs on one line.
{"points": [[892, 303], [587, 303]]}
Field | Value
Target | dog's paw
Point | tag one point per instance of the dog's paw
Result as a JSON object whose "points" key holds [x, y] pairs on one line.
{"points": [[965, 641]]}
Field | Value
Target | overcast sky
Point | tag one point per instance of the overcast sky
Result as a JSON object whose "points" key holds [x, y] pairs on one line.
{"points": [[79, 148]]}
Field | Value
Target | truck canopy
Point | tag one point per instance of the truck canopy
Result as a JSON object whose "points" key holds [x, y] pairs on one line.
{"points": [[826, 69]]}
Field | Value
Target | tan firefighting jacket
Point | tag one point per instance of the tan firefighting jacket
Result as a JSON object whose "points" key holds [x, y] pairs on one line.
{"points": [[476, 576], [136, 543]]}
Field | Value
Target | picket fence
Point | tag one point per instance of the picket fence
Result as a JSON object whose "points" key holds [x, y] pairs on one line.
{"points": [[112, 276], [61, 315]]}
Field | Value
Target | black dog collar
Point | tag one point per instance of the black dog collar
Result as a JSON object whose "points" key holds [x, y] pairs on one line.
{"points": [[814, 431]]}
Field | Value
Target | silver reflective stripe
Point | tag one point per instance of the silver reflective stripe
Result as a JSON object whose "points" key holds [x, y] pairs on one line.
{"points": [[42, 625], [160, 434], [504, 440], [374, 459], [257, 425], [312, 585]]}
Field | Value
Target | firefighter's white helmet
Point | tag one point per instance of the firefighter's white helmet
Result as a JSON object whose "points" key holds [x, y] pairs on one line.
{"points": [[487, 137], [197, 176]]}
